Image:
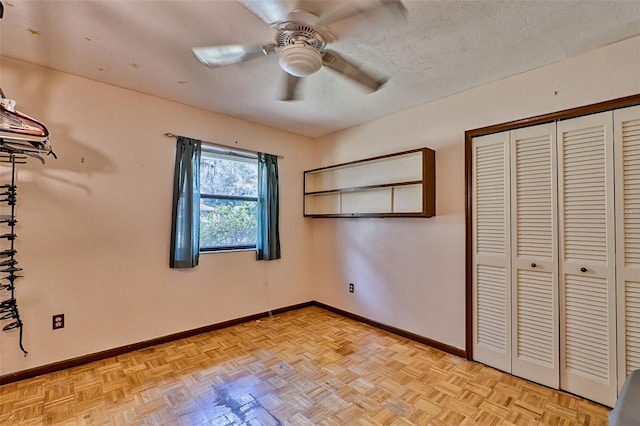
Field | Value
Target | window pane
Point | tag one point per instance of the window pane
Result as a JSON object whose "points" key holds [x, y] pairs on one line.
{"points": [[220, 175], [225, 223]]}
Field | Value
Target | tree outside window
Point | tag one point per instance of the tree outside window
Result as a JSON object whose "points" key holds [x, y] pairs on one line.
{"points": [[228, 201]]}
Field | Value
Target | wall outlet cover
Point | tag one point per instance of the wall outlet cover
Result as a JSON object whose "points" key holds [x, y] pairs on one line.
{"points": [[58, 321]]}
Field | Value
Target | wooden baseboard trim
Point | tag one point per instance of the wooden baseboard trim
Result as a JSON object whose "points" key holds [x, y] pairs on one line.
{"points": [[97, 356], [400, 332]]}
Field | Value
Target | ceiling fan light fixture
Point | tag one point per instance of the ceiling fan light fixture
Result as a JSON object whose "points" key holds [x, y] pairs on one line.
{"points": [[300, 59]]}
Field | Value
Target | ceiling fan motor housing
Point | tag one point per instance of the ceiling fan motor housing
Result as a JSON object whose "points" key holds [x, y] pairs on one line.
{"points": [[300, 47], [300, 59]]}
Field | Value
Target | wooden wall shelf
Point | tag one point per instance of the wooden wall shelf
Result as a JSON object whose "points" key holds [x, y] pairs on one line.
{"points": [[394, 185]]}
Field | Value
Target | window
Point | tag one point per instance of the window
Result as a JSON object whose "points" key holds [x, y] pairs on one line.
{"points": [[241, 198], [228, 200]]}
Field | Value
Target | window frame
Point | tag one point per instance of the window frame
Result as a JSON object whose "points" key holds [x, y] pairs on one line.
{"points": [[227, 155]]}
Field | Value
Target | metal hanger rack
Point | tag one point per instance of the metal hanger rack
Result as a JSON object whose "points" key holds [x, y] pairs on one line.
{"points": [[21, 137], [9, 306]]}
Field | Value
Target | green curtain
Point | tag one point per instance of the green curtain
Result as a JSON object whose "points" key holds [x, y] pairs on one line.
{"points": [[185, 220], [268, 242]]}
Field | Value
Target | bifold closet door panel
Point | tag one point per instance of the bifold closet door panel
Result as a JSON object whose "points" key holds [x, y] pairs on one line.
{"points": [[627, 215], [587, 257], [535, 325], [491, 251]]}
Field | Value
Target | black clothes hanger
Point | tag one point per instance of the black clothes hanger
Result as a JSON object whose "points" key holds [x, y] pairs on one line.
{"points": [[8, 303], [7, 309], [24, 150], [7, 253], [11, 158], [11, 278], [11, 326], [10, 314]]}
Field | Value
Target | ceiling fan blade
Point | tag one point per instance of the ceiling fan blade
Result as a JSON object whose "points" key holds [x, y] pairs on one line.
{"points": [[350, 70], [217, 56], [270, 11], [381, 13], [292, 83]]}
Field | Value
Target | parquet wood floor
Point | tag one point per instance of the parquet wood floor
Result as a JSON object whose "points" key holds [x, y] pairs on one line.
{"points": [[304, 367]]}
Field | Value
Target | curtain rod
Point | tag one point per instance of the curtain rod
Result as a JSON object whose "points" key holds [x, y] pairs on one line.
{"points": [[217, 145]]}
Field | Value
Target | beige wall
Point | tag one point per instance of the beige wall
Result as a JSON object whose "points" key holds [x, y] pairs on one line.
{"points": [[94, 225], [409, 273]]}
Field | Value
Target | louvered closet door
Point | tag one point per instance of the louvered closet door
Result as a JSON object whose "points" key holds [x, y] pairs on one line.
{"points": [[627, 214], [491, 263], [587, 263], [535, 328]]}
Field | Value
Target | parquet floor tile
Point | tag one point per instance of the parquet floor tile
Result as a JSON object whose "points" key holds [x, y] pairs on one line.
{"points": [[305, 367]]}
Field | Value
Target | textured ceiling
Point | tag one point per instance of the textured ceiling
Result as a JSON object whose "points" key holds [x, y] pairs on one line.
{"points": [[444, 48]]}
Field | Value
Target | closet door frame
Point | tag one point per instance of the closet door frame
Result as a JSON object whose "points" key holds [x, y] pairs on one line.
{"points": [[469, 173]]}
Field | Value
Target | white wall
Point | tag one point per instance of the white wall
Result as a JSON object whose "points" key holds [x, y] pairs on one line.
{"points": [[410, 273], [94, 225]]}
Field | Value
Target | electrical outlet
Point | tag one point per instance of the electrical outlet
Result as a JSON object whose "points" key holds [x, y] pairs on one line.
{"points": [[58, 321], [351, 287]]}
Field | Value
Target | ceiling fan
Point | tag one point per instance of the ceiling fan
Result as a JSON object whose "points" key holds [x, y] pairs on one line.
{"points": [[301, 41]]}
